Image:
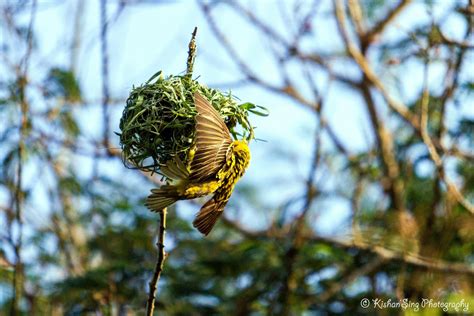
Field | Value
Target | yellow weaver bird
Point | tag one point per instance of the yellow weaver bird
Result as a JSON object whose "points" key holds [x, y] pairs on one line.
{"points": [[217, 165]]}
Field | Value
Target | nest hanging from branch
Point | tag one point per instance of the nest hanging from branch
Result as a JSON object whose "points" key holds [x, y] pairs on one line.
{"points": [[158, 121]]}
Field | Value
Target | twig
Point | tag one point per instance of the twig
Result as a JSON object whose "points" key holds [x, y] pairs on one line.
{"points": [[191, 54], [385, 141], [162, 230], [356, 13], [267, 29], [435, 157], [353, 243], [150, 306], [424, 122], [384, 22], [353, 275], [290, 257], [382, 134], [76, 35], [105, 72], [413, 259], [252, 77], [24, 108], [364, 65]]}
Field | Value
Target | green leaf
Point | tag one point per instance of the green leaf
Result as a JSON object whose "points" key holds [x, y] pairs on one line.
{"points": [[252, 108], [154, 76]]}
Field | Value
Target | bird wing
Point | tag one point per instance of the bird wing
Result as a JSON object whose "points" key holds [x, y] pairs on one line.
{"points": [[212, 141], [175, 169]]}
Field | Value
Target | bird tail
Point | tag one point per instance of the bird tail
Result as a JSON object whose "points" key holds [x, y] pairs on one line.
{"points": [[162, 197], [208, 216]]}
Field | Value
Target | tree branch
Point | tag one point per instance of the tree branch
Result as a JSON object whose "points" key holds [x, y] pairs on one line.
{"points": [[22, 82], [364, 65], [435, 157], [150, 306], [191, 54], [105, 72], [380, 26], [380, 250], [353, 275], [357, 17]]}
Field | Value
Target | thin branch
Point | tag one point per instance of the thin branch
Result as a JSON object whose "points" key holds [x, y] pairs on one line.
{"points": [[76, 35], [450, 83], [191, 54], [387, 153], [382, 134], [424, 122], [153, 285], [297, 241], [298, 229], [435, 157], [380, 26], [258, 23], [105, 72], [24, 107], [353, 275], [286, 89], [356, 13], [413, 259], [364, 65], [394, 104], [383, 252], [453, 150], [335, 139]]}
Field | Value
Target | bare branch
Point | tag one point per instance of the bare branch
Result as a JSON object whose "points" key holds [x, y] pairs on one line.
{"points": [[105, 72], [381, 251], [162, 255], [397, 106], [356, 14], [385, 143], [191, 54], [380, 26], [76, 35], [353, 275], [435, 157], [287, 89], [22, 75], [266, 29]]}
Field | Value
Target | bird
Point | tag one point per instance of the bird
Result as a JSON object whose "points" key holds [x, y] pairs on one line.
{"points": [[216, 166]]}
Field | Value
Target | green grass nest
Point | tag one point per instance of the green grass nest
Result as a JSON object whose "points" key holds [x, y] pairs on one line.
{"points": [[158, 120]]}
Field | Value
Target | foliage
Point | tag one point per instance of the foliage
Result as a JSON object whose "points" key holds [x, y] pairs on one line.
{"points": [[319, 221], [62, 83]]}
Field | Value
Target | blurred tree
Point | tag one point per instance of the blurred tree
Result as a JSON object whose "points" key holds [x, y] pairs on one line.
{"points": [[75, 238]]}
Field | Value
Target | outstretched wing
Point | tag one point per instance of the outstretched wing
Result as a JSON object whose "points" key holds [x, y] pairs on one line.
{"points": [[212, 141]]}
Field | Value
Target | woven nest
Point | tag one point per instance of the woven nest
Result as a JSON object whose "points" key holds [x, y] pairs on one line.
{"points": [[158, 121]]}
